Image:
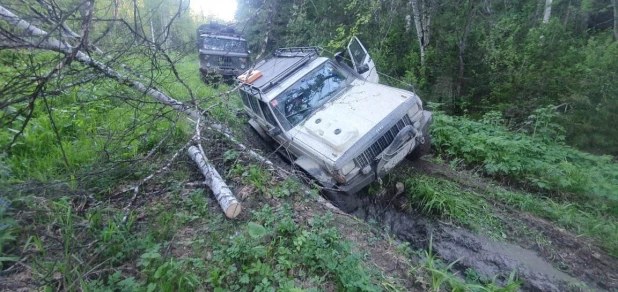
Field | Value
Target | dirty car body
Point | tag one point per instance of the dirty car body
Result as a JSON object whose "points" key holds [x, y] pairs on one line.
{"points": [[339, 125]]}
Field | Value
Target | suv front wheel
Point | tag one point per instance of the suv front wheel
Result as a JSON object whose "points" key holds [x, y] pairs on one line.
{"points": [[345, 202], [420, 150]]}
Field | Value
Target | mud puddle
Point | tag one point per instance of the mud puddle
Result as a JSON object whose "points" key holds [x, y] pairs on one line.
{"points": [[486, 257]]}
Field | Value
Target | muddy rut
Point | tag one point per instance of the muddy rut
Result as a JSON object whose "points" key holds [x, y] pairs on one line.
{"points": [[487, 257]]}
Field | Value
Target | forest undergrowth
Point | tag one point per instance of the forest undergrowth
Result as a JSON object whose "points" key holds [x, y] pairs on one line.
{"points": [[63, 224]]}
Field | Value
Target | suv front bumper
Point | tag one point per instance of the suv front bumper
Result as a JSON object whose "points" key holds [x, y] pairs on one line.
{"points": [[221, 71], [379, 167]]}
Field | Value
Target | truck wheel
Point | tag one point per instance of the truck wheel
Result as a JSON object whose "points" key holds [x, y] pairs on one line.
{"points": [[420, 150], [211, 79], [345, 202]]}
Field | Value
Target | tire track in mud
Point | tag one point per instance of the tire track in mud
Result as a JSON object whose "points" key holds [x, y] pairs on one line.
{"points": [[488, 258], [577, 256]]}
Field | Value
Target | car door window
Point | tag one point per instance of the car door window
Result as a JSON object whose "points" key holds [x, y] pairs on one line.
{"points": [[268, 115], [357, 52]]}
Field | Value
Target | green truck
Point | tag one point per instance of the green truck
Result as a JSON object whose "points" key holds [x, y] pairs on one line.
{"points": [[222, 52]]}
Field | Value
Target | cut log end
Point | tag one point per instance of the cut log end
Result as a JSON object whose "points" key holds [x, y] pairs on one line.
{"points": [[233, 210]]}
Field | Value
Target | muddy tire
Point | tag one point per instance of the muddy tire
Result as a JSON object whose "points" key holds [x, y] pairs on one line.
{"points": [[211, 79], [345, 202], [421, 150]]}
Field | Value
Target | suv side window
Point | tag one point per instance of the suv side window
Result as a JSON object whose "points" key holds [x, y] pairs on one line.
{"points": [[245, 98], [250, 102], [268, 115]]}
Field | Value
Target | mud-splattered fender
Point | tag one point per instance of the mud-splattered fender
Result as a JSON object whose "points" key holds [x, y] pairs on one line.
{"points": [[256, 126], [314, 169]]}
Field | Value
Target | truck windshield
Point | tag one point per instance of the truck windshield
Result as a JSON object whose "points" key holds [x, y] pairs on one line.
{"points": [[309, 93], [227, 45]]}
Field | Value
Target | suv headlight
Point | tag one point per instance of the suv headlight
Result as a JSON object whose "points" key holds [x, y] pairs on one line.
{"points": [[340, 175], [348, 167]]}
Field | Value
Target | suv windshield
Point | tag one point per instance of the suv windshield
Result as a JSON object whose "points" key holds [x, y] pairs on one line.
{"points": [[216, 44], [309, 93]]}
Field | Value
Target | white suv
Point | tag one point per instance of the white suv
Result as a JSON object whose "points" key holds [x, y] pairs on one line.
{"points": [[336, 122]]}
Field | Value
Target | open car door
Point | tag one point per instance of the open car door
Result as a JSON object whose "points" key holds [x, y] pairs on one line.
{"points": [[363, 64]]}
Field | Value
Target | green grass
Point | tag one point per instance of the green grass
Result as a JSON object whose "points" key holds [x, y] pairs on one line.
{"points": [[596, 225], [180, 242], [99, 129], [450, 201], [536, 161], [447, 200], [575, 190]]}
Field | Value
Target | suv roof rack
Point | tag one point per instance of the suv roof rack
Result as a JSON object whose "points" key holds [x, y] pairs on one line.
{"points": [[293, 51], [281, 64]]}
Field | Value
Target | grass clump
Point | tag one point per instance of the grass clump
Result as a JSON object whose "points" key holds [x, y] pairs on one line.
{"points": [[435, 196]]}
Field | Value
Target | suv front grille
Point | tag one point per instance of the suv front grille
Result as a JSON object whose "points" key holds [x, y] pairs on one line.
{"points": [[377, 147]]}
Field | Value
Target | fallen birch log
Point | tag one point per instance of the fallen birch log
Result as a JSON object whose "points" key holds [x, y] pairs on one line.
{"points": [[226, 199]]}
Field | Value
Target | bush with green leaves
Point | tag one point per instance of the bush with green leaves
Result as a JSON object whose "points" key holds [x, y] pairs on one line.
{"points": [[537, 161], [276, 253]]}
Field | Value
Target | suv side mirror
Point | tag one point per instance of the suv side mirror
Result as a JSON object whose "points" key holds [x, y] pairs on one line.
{"points": [[362, 69], [274, 131], [339, 57]]}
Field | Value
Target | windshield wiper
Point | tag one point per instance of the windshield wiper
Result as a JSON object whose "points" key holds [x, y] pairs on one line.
{"points": [[301, 111]]}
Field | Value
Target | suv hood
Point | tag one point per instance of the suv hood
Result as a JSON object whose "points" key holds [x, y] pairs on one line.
{"points": [[354, 118]]}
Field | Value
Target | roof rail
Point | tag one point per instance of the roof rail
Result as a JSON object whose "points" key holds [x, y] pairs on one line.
{"points": [[295, 51], [305, 54]]}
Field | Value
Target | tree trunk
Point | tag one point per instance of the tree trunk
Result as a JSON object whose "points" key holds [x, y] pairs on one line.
{"points": [[225, 197], [272, 10], [152, 32], [547, 13], [421, 12], [615, 3], [461, 43]]}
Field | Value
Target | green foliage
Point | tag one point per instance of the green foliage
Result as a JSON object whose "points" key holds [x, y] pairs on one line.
{"points": [[7, 224], [536, 161], [274, 251], [446, 199], [167, 275], [592, 221]]}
